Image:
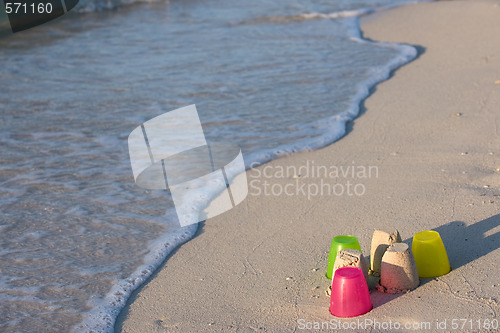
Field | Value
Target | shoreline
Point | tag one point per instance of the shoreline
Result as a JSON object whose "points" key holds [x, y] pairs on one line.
{"points": [[257, 267]]}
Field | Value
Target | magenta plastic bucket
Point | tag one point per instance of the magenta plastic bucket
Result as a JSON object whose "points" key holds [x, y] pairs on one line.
{"points": [[350, 295]]}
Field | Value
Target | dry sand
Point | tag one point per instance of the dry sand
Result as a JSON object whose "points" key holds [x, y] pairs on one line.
{"points": [[432, 130]]}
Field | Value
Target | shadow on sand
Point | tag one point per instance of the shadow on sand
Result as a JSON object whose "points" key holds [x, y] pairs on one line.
{"points": [[463, 243]]}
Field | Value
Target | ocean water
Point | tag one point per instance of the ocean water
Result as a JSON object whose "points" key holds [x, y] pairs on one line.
{"points": [[76, 234]]}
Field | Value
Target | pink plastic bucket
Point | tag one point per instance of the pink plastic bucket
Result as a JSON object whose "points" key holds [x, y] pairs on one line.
{"points": [[350, 295]]}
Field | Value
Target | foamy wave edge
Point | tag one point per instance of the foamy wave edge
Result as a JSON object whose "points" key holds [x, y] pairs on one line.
{"points": [[103, 316]]}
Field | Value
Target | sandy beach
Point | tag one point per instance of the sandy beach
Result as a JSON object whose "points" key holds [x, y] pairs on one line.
{"points": [[423, 155]]}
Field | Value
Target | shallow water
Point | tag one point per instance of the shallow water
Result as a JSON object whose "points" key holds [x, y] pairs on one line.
{"points": [[76, 234]]}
